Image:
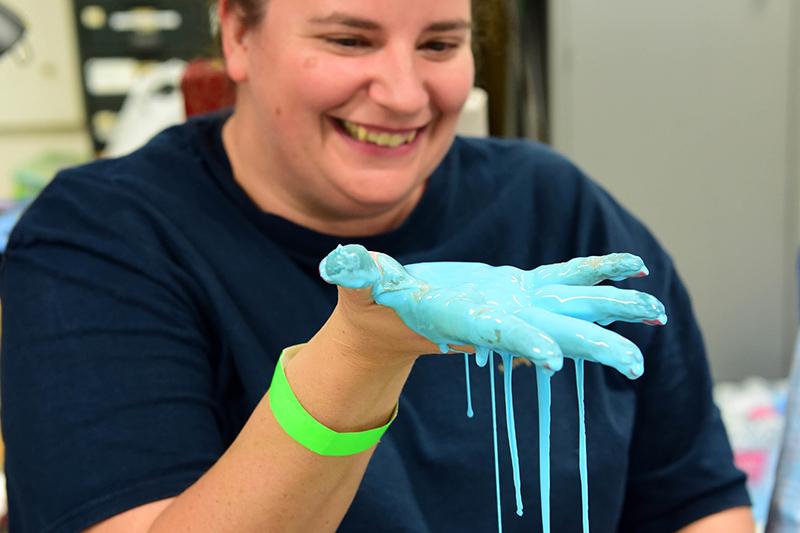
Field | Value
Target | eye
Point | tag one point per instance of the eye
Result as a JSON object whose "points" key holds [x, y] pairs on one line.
{"points": [[348, 42], [438, 46]]}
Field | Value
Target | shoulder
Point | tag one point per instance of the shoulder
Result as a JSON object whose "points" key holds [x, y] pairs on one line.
{"points": [[175, 153], [121, 197], [534, 182], [513, 157], [524, 170]]}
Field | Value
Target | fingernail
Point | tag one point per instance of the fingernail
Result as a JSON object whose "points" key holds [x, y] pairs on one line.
{"points": [[636, 370], [660, 321]]}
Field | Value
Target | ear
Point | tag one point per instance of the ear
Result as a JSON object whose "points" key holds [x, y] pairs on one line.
{"points": [[234, 45]]}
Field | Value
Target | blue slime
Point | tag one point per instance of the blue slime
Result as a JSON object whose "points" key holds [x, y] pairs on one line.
{"points": [[508, 371], [540, 315], [543, 393], [582, 466], [494, 442], [469, 389]]}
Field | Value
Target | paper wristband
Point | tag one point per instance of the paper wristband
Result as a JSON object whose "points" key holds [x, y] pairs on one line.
{"points": [[306, 430]]}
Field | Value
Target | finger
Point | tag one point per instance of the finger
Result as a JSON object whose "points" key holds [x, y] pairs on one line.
{"points": [[582, 339], [349, 266], [463, 322], [588, 270], [603, 304], [393, 276]]}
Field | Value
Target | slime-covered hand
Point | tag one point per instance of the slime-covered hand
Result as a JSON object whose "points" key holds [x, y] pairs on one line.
{"points": [[542, 314]]}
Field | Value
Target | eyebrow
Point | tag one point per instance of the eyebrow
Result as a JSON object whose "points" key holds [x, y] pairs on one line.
{"points": [[350, 21]]}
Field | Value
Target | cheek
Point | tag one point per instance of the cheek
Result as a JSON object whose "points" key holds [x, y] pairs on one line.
{"points": [[323, 83], [451, 88]]}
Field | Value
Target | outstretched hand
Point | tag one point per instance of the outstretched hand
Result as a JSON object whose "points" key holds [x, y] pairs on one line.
{"points": [[542, 314]]}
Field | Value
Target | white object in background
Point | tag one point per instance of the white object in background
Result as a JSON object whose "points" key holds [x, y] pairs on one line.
{"points": [[784, 513], [474, 119], [145, 20], [155, 102], [113, 76]]}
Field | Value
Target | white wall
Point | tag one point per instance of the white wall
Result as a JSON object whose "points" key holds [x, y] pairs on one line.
{"points": [[794, 131], [40, 99], [685, 111]]}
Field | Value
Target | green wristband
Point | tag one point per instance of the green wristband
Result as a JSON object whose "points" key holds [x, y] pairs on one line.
{"points": [[305, 429]]}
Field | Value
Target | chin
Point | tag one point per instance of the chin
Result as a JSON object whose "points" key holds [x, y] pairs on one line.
{"points": [[385, 190], [376, 203]]}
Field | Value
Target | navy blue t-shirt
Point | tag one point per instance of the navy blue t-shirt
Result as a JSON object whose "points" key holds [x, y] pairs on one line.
{"points": [[146, 300]]}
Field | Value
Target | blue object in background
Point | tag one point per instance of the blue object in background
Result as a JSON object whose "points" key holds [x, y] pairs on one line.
{"points": [[9, 214]]}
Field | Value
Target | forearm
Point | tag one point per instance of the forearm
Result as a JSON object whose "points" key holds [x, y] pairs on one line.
{"points": [[266, 480]]}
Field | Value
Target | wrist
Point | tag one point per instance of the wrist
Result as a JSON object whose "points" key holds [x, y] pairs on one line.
{"points": [[306, 430], [373, 337], [342, 388]]}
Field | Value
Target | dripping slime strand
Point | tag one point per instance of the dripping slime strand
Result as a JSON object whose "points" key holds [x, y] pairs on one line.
{"points": [[470, 413], [494, 440], [481, 356], [508, 368], [543, 393], [582, 445]]}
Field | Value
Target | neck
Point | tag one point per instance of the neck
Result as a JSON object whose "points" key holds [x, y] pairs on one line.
{"points": [[251, 171]]}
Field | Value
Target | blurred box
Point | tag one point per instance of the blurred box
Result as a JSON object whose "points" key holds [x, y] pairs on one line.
{"points": [[33, 175]]}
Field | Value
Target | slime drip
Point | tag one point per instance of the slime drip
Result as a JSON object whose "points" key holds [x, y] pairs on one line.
{"points": [[481, 356], [582, 446], [543, 392], [494, 440], [469, 392], [508, 368]]}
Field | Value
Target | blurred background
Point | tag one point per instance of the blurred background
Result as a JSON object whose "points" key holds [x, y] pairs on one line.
{"points": [[688, 112]]}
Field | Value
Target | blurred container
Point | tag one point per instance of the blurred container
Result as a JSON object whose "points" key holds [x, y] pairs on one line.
{"points": [[753, 414], [784, 513], [33, 175]]}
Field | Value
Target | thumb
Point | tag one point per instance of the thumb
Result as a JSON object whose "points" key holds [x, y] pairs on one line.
{"points": [[355, 297], [350, 266]]}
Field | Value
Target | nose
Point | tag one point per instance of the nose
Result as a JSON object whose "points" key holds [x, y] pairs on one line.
{"points": [[397, 84]]}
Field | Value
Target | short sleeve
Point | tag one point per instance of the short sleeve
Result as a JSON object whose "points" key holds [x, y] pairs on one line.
{"points": [[681, 465], [107, 383]]}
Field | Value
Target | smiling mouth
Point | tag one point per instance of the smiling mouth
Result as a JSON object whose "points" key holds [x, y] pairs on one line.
{"points": [[376, 137]]}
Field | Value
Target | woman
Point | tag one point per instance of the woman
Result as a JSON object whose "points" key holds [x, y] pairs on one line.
{"points": [[148, 298]]}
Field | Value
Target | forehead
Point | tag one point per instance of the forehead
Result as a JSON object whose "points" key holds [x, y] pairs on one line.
{"points": [[421, 12]]}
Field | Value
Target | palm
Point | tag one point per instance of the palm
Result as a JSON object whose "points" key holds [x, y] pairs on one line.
{"points": [[541, 314]]}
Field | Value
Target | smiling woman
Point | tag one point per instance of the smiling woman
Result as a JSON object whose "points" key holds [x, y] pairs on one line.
{"points": [[147, 301], [347, 83]]}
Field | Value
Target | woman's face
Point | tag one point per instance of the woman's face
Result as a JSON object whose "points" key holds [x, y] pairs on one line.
{"points": [[356, 101]]}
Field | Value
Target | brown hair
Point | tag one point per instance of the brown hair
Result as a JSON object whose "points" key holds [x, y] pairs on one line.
{"points": [[250, 11]]}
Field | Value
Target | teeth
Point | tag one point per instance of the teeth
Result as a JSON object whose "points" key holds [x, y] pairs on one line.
{"points": [[390, 140]]}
